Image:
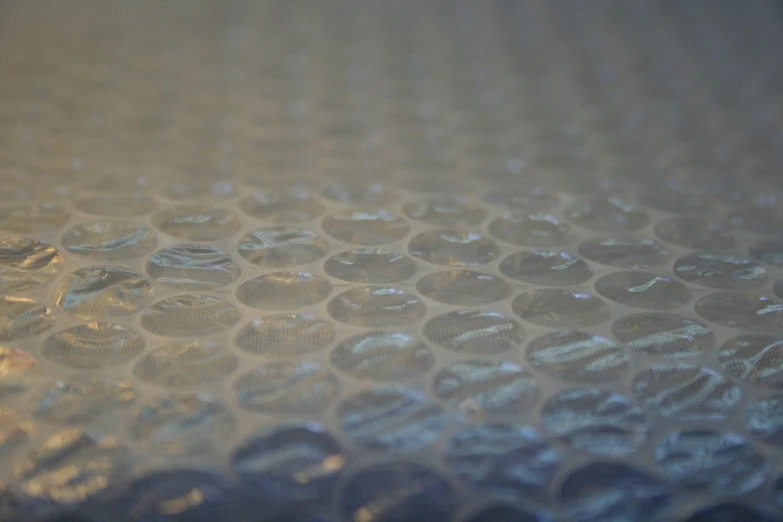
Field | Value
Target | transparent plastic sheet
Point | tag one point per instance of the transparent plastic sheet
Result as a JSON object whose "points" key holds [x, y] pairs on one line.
{"points": [[391, 261]]}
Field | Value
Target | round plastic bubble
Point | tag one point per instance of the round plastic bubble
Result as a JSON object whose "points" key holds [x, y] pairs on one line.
{"points": [[485, 388], [614, 492], [756, 359], [722, 271], [282, 207], [445, 211], [686, 392], [102, 292], [607, 214], [365, 227], [723, 463], [730, 512], [197, 222], [18, 371], [474, 331], [383, 356], [109, 240], [286, 335], [504, 460], [288, 387], [81, 398], [392, 418], [396, 491], [546, 268], [664, 335], [182, 424], [290, 463], [192, 267], [283, 291], [533, 229], [631, 252], [186, 363], [764, 420], [26, 263], [189, 315], [577, 356], [21, 317], [282, 247], [643, 290], [91, 462], [174, 494], [370, 265], [376, 307], [463, 288], [93, 346], [742, 311], [560, 308], [596, 421], [453, 248]]}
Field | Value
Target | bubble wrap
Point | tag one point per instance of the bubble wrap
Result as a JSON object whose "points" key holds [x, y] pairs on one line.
{"points": [[391, 261]]}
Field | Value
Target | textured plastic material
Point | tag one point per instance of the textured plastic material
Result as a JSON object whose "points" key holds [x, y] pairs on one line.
{"points": [[392, 261]]}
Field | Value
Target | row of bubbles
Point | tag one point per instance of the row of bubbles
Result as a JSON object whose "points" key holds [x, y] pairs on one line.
{"points": [[302, 463], [369, 225]]}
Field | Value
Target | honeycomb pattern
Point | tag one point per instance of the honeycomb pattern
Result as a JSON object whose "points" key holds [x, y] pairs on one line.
{"points": [[391, 261]]}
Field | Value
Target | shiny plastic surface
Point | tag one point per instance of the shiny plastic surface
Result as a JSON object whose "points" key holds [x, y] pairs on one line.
{"points": [[392, 261]]}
